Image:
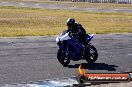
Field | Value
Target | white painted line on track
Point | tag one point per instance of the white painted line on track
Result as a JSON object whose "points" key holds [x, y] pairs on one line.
{"points": [[21, 3], [103, 51], [36, 4], [129, 54], [4, 2], [64, 82]]}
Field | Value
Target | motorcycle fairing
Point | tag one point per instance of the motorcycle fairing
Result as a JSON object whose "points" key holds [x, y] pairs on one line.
{"points": [[76, 48]]}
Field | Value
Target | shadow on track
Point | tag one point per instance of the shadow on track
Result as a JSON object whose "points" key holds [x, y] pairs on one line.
{"points": [[95, 66]]}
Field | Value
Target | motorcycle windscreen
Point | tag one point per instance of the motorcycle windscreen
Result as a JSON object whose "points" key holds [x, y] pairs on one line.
{"points": [[65, 37]]}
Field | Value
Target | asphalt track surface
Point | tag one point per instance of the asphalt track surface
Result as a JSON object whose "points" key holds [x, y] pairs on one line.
{"points": [[24, 59], [65, 7]]}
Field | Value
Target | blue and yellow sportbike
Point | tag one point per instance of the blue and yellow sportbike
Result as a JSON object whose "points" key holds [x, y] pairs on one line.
{"points": [[72, 49]]}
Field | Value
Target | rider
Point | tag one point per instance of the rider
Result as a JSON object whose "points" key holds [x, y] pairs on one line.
{"points": [[76, 30]]}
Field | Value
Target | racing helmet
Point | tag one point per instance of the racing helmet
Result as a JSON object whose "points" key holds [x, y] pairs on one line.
{"points": [[70, 22]]}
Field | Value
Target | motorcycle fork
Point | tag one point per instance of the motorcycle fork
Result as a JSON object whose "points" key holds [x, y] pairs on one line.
{"points": [[66, 50]]}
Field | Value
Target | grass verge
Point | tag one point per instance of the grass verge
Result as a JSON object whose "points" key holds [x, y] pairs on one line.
{"points": [[38, 22]]}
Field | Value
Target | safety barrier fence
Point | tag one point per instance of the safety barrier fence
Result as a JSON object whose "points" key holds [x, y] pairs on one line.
{"points": [[101, 1]]}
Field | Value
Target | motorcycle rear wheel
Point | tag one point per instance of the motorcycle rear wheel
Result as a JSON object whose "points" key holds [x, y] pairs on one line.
{"points": [[62, 57], [91, 54]]}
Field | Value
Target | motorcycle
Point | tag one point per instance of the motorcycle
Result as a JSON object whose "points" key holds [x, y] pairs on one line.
{"points": [[71, 49]]}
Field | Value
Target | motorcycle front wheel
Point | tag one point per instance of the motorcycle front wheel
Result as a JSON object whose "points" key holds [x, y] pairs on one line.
{"points": [[62, 57], [91, 54]]}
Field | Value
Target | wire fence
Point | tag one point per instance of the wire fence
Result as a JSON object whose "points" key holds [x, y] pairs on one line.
{"points": [[102, 1]]}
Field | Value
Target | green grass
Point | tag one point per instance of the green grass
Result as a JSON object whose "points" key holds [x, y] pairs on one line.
{"points": [[38, 22]]}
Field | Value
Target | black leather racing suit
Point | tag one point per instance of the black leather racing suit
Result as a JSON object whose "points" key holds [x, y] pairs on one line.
{"points": [[78, 32]]}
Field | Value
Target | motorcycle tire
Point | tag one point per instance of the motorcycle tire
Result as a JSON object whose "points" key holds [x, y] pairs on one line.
{"points": [[91, 54], [62, 57]]}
